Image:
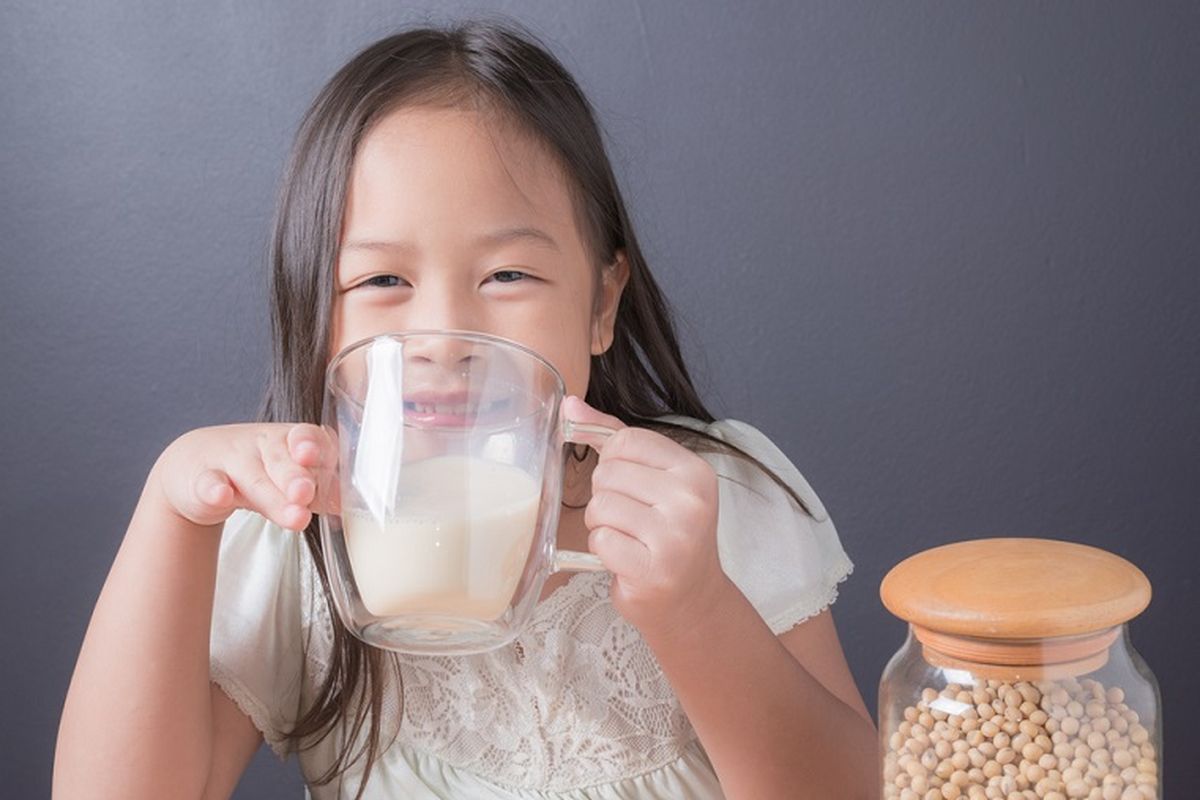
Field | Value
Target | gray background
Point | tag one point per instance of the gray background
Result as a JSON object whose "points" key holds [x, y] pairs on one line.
{"points": [[945, 254]]}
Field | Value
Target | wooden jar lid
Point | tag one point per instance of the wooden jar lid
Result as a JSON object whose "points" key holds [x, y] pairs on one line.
{"points": [[1015, 589]]}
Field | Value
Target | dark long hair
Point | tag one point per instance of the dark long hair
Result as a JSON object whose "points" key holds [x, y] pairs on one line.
{"points": [[639, 378]]}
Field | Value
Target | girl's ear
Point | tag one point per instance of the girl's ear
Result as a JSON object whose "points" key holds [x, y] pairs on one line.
{"points": [[613, 278]]}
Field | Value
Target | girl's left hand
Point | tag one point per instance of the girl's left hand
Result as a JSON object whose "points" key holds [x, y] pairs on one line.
{"points": [[653, 523]]}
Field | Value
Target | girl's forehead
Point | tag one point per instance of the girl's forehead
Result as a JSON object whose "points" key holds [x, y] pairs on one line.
{"points": [[467, 161]]}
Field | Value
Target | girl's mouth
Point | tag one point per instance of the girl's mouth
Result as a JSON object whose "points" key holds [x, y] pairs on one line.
{"points": [[452, 411]]}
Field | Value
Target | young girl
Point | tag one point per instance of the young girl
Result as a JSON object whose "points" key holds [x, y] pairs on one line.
{"points": [[457, 179]]}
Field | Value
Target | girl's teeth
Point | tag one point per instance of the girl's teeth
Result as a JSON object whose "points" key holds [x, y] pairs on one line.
{"points": [[457, 411]]}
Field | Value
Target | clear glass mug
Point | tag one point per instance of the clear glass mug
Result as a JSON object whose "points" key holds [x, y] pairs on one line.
{"points": [[450, 466]]}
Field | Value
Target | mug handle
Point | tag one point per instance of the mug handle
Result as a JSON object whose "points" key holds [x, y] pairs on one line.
{"points": [[594, 436]]}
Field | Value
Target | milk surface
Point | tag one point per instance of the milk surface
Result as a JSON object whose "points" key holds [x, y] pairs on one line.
{"points": [[457, 544]]}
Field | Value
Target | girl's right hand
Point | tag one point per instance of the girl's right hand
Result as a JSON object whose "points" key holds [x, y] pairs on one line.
{"points": [[283, 471]]}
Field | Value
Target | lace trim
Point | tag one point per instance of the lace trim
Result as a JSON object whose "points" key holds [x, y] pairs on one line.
{"points": [[562, 595], [819, 599], [578, 700], [422, 762], [249, 705], [316, 618]]}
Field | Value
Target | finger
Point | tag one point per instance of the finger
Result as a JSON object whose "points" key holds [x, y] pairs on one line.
{"points": [[213, 491], [579, 412], [648, 485], [315, 447], [297, 483], [620, 553], [311, 445], [650, 448], [259, 492], [576, 409], [615, 510]]}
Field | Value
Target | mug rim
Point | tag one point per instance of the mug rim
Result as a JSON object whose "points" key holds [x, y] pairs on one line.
{"points": [[476, 336]]}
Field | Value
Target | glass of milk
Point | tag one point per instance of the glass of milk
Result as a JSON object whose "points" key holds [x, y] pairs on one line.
{"points": [[451, 451]]}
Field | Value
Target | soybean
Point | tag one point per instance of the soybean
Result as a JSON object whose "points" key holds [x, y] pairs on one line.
{"points": [[1053, 740]]}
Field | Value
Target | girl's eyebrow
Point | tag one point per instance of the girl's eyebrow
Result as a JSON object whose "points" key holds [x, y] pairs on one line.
{"points": [[527, 233]]}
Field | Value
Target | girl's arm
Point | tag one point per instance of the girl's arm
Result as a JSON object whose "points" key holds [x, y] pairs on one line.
{"points": [[770, 727], [138, 718], [141, 718], [776, 722]]}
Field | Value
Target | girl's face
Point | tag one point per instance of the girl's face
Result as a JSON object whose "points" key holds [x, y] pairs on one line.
{"points": [[456, 220]]}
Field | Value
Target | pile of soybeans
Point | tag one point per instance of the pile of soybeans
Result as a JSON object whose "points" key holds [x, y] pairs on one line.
{"points": [[1047, 740]]}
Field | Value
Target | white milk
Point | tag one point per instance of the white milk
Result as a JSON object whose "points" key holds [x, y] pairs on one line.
{"points": [[457, 545]]}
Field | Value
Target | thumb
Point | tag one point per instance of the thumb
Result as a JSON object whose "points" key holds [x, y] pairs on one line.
{"points": [[577, 410], [583, 417]]}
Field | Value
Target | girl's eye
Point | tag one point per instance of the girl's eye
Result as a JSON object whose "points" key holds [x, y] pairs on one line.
{"points": [[384, 281], [509, 276]]}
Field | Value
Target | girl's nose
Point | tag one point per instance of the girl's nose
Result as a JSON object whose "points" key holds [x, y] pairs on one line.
{"points": [[442, 352]]}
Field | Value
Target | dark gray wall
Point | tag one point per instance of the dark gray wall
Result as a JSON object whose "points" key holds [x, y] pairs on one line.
{"points": [[946, 254]]}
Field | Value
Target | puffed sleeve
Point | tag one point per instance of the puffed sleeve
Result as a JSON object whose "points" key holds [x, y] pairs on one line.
{"points": [[787, 560], [256, 645]]}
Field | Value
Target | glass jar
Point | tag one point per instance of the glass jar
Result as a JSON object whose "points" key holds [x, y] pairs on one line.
{"points": [[1018, 679]]}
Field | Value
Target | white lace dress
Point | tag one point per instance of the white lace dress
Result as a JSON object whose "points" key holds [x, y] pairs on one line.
{"points": [[576, 708]]}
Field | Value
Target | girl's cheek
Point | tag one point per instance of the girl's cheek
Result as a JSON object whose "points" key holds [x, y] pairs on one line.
{"points": [[355, 321], [578, 375]]}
